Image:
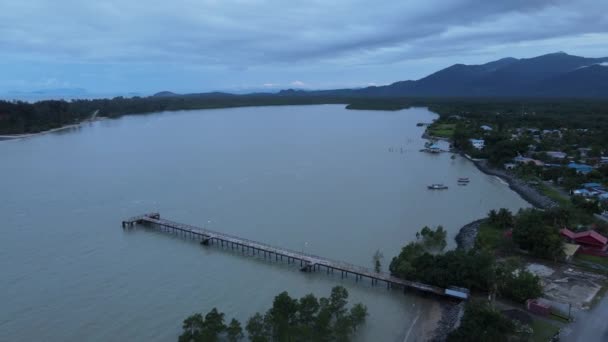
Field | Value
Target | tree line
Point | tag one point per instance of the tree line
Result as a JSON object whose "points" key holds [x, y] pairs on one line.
{"points": [[17, 117], [478, 270], [289, 319]]}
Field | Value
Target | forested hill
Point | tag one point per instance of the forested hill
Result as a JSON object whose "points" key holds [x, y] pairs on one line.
{"points": [[552, 75]]}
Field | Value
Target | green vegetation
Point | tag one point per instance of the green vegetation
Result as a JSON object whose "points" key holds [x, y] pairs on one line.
{"points": [[490, 238], [543, 331], [432, 240], [482, 323], [516, 283], [554, 194], [534, 231], [502, 218], [476, 269], [377, 261], [198, 328], [289, 319], [537, 232], [585, 258], [441, 130]]}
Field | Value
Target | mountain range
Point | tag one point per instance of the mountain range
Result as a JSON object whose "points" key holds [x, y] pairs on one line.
{"points": [[552, 75]]}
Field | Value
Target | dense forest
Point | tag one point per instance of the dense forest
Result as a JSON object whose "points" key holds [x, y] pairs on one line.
{"points": [[18, 117]]}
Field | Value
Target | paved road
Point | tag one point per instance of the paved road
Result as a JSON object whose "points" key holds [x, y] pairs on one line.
{"points": [[590, 326]]}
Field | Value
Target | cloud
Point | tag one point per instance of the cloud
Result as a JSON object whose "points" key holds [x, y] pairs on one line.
{"points": [[226, 43], [298, 84]]}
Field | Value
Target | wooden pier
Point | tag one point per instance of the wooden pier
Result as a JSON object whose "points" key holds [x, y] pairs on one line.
{"points": [[308, 262]]}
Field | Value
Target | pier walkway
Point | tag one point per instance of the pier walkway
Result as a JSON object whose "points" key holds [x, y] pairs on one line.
{"points": [[308, 262]]}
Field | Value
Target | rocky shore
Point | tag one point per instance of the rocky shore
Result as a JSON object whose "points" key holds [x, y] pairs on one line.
{"points": [[527, 192], [465, 239], [451, 313]]}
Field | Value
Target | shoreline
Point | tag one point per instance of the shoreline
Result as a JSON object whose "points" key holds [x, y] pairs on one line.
{"points": [[528, 193], [465, 239], [467, 234], [6, 137]]}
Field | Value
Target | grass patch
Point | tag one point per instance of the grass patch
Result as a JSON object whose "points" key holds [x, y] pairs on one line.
{"points": [[543, 331], [592, 259], [441, 130], [554, 195], [489, 237]]}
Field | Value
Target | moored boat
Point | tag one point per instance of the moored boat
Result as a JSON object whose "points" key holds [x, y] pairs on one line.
{"points": [[437, 187]]}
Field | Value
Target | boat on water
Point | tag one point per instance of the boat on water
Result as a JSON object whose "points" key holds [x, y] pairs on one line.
{"points": [[437, 187], [463, 181]]}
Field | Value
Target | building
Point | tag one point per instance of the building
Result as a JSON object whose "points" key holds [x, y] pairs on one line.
{"points": [[486, 128], [526, 160], [570, 250], [510, 166], [584, 151], [580, 168], [582, 192], [434, 148], [557, 154], [538, 307], [591, 242], [594, 186], [478, 143]]}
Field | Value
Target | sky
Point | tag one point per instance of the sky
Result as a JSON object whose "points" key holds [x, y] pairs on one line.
{"points": [[146, 46]]}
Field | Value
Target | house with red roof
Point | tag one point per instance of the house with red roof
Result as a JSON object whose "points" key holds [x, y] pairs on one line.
{"points": [[591, 242]]}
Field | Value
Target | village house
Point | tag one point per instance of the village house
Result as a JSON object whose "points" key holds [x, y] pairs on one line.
{"points": [[556, 154], [486, 128], [590, 190], [584, 151], [555, 132], [526, 160], [510, 166], [590, 241], [478, 143], [580, 168], [594, 186]]}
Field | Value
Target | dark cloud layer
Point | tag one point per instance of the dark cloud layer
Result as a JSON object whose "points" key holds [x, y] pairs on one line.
{"points": [[194, 45]]}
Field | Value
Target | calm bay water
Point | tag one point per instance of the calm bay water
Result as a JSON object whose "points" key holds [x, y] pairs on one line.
{"points": [[314, 178]]}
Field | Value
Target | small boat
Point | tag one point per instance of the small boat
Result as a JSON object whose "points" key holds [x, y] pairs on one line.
{"points": [[437, 187]]}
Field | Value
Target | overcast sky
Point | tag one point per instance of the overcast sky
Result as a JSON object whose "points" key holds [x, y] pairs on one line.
{"points": [[108, 46]]}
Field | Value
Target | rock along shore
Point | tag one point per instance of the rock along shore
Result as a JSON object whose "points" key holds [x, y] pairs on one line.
{"points": [[527, 192]]}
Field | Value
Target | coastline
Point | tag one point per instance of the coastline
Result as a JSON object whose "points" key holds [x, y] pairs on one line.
{"points": [[4, 137], [465, 239], [527, 192]]}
